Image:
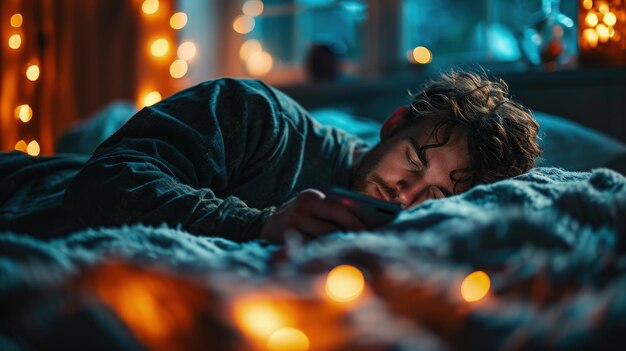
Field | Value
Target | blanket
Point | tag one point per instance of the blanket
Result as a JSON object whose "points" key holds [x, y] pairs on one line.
{"points": [[534, 262]]}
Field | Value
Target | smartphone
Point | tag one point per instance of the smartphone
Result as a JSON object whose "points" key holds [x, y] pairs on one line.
{"points": [[371, 211]]}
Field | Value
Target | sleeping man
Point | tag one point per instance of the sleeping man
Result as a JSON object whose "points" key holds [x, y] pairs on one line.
{"points": [[240, 160]]}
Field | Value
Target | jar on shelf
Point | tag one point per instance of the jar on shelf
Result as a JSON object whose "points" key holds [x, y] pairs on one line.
{"points": [[549, 37]]}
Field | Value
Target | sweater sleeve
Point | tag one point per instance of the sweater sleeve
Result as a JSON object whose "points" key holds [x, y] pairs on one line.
{"points": [[174, 162]]}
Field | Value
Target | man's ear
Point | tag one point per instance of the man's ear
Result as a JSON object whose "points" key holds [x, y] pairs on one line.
{"points": [[397, 118]]}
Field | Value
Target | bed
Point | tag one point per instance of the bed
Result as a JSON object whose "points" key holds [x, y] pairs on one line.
{"points": [[530, 263]]}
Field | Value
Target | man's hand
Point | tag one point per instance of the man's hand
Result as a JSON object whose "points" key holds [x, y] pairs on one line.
{"points": [[311, 215]]}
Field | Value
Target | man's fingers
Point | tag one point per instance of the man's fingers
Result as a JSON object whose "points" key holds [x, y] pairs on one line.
{"points": [[312, 226], [334, 212]]}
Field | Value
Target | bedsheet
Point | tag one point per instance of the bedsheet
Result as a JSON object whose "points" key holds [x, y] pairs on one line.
{"points": [[551, 242]]}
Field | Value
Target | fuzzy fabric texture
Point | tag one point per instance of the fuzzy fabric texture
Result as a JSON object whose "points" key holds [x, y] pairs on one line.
{"points": [[552, 241]]}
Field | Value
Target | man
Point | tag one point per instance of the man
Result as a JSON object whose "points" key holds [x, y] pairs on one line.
{"points": [[239, 159]]}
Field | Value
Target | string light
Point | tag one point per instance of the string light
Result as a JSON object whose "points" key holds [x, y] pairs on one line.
{"points": [[248, 48], [32, 72], [344, 283], [609, 19], [178, 20], [591, 19], [591, 36], [259, 318], [243, 24], [159, 47], [16, 20], [178, 68], [288, 339], [33, 148], [150, 7], [422, 55], [475, 286], [21, 146], [15, 41], [259, 63], [252, 8], [186, 50], [24, 113], [151, 98]]}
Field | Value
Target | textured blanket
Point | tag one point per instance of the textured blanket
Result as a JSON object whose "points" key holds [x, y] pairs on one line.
{"points": [[547, 250]]}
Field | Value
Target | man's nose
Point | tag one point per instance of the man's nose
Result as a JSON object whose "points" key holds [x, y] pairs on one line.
{"points": [[410, 192]]}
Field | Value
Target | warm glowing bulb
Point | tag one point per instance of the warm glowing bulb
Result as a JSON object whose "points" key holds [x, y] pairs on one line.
{"points": [[150, 6], [252, 8], [591, 36], [344, 283], [33, 148], [288, 339], [475, 286], [24, 113], [248, 48], [15, 41], [609, 19], [259, 318], [186, 50], [243, 24], [159, 47], [178, 20], [32, 72], [16, 20], [21, 146], [259, 63], [591, 19], [178, 68], [603, 8], [603, 33], [588, 4], [422, 55], [151, 98]]}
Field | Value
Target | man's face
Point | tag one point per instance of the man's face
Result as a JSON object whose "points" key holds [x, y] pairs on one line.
{"points": [[394, 171]]}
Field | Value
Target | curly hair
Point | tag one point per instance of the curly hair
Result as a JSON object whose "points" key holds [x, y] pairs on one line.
{"points": [[502, 138]]}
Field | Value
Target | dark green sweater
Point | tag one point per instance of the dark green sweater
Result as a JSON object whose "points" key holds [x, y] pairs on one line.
{"points": [[216, 159]]}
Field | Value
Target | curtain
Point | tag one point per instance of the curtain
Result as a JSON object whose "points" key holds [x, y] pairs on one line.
{"points": [[90, 52]]}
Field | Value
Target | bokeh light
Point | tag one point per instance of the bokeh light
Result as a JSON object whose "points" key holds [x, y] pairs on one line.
{"points": [[588, 4], [24, 113], [159, 47], [178, 68], [252, 8], [609, 19], [32, 72], [603, 32], [151, 98], [259, 63], [178, 20], [16, 20], [15, 41], [248, 48], [21, 146], [603, 8], [591, 19], [150, 6], [186, 50], [422, 55], [591, 36], [243, 24], [258, 317], [288, 339], [33, 148], [344, 283], [475, 286]]}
